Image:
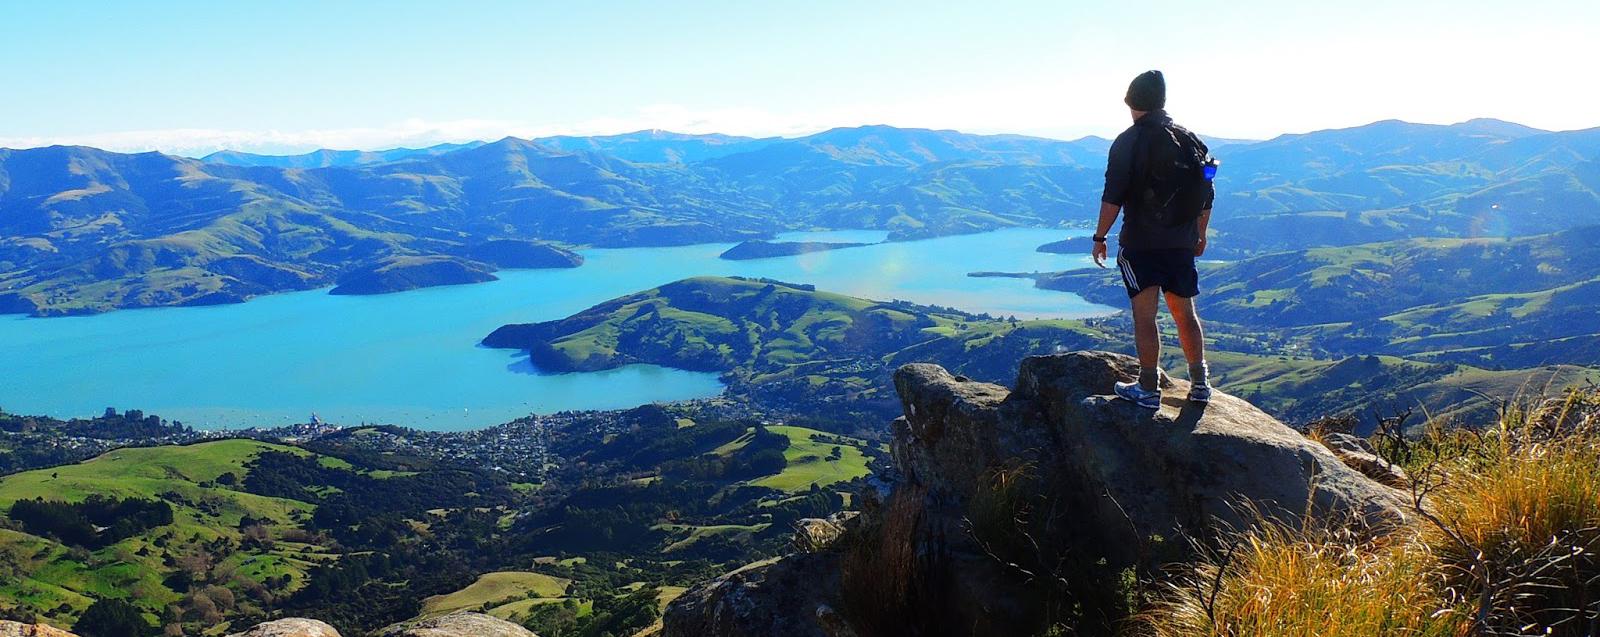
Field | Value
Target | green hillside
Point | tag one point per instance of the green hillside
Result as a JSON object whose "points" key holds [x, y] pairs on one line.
{"points": [[56, 581], [255, 528], [505, 594], [1301, 390], [810, 460], [1501, 303], [785, 345]]}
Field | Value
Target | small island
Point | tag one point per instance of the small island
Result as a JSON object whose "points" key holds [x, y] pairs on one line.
{"points": [[516, 253], [409, 272], [399, 273], [757, 249]]}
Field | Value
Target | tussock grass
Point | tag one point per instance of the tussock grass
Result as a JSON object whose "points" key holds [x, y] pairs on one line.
{"points": [[881, 575], [1515, 519], [1507, 543], [1282, 582]]}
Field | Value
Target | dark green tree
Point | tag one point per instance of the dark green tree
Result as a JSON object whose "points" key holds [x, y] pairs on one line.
{"points": [[113, 618]]}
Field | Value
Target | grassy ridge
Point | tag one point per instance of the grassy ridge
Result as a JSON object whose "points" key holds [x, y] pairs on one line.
{"points": [[503, 594]]}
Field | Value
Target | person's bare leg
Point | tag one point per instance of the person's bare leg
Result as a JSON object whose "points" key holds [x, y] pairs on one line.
{"points": [[1145, 337], [1190, 336]]}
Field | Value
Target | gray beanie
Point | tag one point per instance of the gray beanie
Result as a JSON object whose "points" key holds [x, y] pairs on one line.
{"points": [[1148, 92]]}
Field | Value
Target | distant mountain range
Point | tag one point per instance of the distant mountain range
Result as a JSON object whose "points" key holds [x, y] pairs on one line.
{"points": [[86, 230], [328, 158]]}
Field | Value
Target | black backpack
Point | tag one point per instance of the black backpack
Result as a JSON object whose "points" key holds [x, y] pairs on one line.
{"points": [[1169, 185]]}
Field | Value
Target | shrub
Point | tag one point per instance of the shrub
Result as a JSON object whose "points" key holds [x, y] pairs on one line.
{"points": [[112, 618]]}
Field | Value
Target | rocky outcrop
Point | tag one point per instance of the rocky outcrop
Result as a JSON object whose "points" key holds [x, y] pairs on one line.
{"points": [[1357, 453], [815, 534], [793, 596], [291, 627], [18, 629], [1003, 494], [461, 624], [1185, 470]]}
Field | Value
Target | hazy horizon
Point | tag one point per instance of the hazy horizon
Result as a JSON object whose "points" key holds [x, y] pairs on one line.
{"points": [[291, 151]]}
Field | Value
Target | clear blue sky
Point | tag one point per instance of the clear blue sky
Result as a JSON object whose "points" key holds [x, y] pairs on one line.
{"points": [[288, 76]]}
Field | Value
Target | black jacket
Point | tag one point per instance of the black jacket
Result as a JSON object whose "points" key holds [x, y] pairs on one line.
{"points": [[1120, 173]]}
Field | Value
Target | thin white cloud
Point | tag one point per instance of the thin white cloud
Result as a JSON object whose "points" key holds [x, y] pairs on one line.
{"points": [[962, 112], [200, 141], [1056, 110]]}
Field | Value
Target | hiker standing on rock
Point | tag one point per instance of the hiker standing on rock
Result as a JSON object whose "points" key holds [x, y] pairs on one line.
{"points": [[1158, 174]]}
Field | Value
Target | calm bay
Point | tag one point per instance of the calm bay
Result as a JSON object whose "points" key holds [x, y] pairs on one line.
{"points": [[412, 358]]}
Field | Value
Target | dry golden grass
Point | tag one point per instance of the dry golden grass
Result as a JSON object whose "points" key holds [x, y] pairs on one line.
{"points": [[1281, 582], [1507, 545], [1516, 522], [1527, 499]]}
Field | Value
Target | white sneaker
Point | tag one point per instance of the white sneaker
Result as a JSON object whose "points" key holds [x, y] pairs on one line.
{"points": [[1137, 395]]}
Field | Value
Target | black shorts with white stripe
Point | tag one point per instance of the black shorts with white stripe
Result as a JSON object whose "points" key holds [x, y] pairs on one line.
{"points": [[1171, 270]]}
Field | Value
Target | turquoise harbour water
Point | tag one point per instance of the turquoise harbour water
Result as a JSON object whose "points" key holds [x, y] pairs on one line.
{"points": [[412, 358]]}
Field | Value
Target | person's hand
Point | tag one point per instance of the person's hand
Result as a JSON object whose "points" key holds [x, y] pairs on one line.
{"points": [[1099, 253], [1200, 248]]}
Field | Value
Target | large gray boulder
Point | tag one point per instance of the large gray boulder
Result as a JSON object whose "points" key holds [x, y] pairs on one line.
{"points": [[291, 627], [1183, 471], [19, 629], [459, 624]]}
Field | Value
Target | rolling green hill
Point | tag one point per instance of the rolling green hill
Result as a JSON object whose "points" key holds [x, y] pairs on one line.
{"points": [[504, 594], [1511, 303], [1371, 387], [785, 345], [719, 324]]}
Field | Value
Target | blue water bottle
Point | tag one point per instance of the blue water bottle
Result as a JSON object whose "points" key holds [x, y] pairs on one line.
{"points": [[1211, 168]]}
